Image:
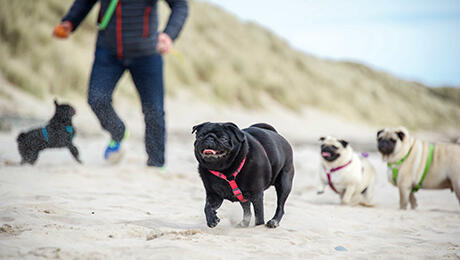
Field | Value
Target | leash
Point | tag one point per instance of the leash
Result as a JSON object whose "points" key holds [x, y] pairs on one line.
{"points": [[236, 191], [395, 170], [108, 14]]}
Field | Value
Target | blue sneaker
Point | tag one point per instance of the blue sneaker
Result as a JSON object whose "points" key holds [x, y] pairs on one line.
{"points": [[113, 153], [113, 147]]}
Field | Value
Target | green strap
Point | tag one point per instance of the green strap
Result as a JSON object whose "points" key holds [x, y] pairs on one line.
{"points": [[394, 168], [427, 167], [108, 14], [395, 175]]}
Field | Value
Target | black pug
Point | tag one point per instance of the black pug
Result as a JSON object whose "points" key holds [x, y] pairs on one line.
{"points": [[58, 133], [238, 165]]}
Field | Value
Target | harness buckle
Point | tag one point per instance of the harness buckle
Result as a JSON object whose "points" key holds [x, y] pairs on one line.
{"points": [[231, 178]]}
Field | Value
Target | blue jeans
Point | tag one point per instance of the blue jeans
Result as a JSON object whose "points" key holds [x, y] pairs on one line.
{"points": [[147, 74]]}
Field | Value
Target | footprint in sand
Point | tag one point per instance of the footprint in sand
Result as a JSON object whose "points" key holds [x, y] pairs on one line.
{"points": [[46, 252], [12, 230], [177, 235]]}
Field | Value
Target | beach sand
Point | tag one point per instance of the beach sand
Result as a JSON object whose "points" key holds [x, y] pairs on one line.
{"points": [[58, 209]]}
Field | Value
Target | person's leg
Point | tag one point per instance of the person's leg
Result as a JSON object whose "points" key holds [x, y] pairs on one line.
{"points": [[107, 70], [147, 74]]}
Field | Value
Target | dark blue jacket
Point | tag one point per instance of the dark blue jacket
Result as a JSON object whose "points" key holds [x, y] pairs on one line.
{"points": [[132, 30]]}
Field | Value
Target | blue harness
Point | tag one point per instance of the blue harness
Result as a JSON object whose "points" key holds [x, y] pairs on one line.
{"points": [[68, 128]]}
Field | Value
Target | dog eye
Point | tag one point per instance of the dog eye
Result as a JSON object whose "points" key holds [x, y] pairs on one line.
{"points": [[379, 139]]}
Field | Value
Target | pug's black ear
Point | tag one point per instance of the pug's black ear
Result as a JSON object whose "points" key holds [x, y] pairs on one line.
{"points": [[236, 131], [55, 102], [198, 127], [379, 132], [344, 143], [322, 138], [401, 135]]}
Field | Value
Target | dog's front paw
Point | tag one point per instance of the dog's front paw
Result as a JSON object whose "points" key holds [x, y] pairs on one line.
{"points": [[79, 161], [213, 221], [272, 223]]}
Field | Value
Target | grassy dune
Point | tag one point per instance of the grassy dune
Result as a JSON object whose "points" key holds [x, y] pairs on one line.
{"points": [[222, 60]]}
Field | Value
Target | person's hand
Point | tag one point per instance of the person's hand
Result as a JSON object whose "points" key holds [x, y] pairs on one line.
{"points": [[164, 43], [62, 30]]}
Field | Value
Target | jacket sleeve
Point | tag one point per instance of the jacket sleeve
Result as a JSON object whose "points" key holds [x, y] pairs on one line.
{"points": [[179, 12], [78, 12]]}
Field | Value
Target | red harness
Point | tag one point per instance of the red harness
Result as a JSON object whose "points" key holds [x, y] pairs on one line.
{"points": [[236, 191], [332, 171]]}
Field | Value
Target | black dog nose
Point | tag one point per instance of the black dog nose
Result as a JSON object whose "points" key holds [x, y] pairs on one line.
{"points": [[385, 146], [327, 149]]}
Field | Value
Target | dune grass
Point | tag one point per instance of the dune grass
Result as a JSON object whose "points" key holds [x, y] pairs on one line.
{"points": [[221, 60]]}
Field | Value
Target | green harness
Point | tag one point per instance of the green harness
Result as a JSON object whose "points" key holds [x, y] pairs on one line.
{"points": [[395, 170]]}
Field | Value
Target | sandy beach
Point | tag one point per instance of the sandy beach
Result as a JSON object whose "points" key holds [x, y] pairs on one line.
{"points": [[58, 209]]}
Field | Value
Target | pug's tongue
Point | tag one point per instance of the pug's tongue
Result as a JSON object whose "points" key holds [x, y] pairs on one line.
{"points": [[209, 151], [325, 154]]}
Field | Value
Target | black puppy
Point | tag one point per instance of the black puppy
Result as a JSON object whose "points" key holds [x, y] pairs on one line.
{"points": [[58, 133], [238, 165]]}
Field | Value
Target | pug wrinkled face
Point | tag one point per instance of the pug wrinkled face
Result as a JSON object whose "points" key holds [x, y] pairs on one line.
{"points": [[391, 141], [332, 148], [217, 144]]}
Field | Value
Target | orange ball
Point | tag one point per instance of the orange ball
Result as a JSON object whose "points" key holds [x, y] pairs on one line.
{"points": [[61, 31]]}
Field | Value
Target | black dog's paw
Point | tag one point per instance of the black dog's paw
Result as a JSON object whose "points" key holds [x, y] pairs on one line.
{"points": [[213, 222], [79, 161], [273, 223], [243, 224]]}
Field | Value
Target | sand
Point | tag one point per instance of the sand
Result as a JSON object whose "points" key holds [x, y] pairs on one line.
{"points": [[60, 209]]}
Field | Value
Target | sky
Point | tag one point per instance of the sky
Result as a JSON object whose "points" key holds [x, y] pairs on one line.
{"points": [[412, 39]]}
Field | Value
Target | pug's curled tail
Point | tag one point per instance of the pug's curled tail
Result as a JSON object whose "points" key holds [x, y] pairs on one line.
{"points": [[265, 126]]}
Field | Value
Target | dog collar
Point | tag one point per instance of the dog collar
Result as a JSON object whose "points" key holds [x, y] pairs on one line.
{"points": [[340, 167], [425, 171], [328, 174], [236, 191]]}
